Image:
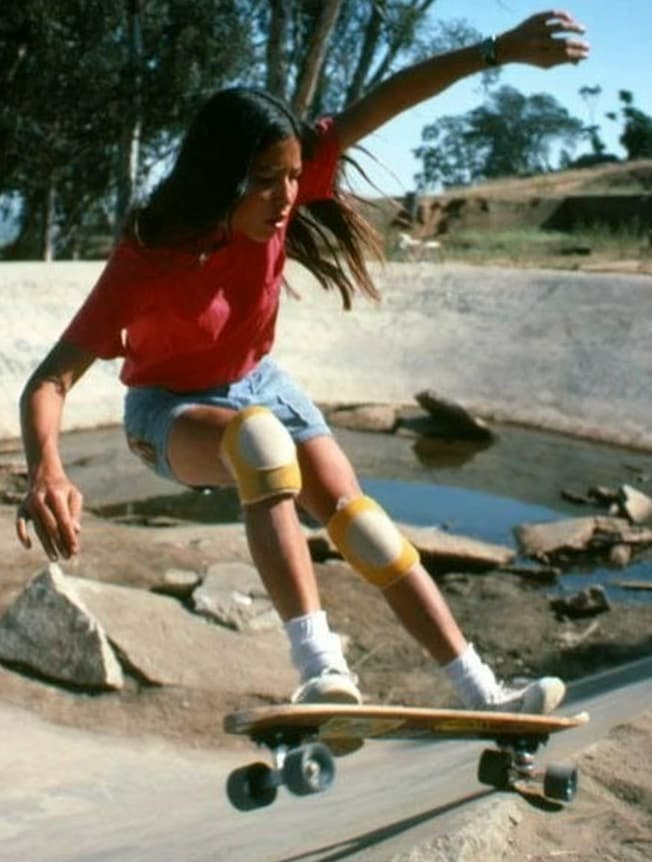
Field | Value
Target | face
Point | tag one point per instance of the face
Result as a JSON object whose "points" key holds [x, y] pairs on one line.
{"points": [[271, 191]]}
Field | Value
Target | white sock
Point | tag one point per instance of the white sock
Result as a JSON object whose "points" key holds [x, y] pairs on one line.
{"points": [[313, 646], [473, 680]]}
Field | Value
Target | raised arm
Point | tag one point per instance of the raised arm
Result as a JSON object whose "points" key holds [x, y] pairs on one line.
{"points": [[546, 39], [52, 503]]}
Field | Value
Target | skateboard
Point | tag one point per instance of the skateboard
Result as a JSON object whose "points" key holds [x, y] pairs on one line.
{"points": [[304, 740]]}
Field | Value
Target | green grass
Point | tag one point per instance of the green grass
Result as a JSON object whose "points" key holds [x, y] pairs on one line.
{"points": [[532, 247]]}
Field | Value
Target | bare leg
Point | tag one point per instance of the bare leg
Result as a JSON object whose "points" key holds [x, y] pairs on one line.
{"points": [[417, 602], [280, 552], [415, 599], [275, 536]]}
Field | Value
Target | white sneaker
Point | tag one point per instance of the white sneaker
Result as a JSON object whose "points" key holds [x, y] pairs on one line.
{"points": [[540, 697], [329, 686]]}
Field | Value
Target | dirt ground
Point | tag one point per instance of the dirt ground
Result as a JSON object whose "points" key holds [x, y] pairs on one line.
{"points": [[611, 818], [508, 619]]}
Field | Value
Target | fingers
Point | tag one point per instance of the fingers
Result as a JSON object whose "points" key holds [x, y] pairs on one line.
{"points": [[563, 21], [543, 43], [56, 518], [21, 529], [576, 51], [556, 21]]}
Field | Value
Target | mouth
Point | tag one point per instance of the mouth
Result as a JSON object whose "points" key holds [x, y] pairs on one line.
{"points": [[277, 221]]}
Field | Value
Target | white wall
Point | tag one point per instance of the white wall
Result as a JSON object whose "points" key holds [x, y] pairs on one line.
{"points": [[567, 351]]}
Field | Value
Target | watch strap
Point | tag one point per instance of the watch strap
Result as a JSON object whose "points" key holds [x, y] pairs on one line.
{"points": [[488, 51]]}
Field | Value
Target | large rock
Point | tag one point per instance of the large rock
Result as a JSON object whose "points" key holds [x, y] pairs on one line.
{"points": [[50, 630], [450, 420], [232, 595], [446, 552], [585, 603], [636, 505], [160, 641], [440, 552], [381, 418], [596, 536]]}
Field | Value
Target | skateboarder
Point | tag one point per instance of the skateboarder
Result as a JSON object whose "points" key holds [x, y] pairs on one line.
{"points": [[189, 299]]}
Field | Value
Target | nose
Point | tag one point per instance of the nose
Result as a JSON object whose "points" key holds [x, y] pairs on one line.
{"points": [[286, 191]]}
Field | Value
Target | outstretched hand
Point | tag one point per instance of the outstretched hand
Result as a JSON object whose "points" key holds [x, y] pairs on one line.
{"points": [[54, 507], [544, 40]]}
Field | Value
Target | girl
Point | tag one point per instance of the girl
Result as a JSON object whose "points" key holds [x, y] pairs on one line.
{"points": [[189, 298]]}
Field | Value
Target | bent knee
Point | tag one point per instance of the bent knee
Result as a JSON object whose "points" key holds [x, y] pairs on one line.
{"points": [[261, 455], [370, 542]]}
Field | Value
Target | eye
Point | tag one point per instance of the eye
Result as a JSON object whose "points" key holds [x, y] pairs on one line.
{"points": [[262, 180]]}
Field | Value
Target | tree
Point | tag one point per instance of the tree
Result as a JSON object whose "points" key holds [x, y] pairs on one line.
{"points": [[592, 130], [96, 93], [510, 134], [637, 132], [338, 50]]}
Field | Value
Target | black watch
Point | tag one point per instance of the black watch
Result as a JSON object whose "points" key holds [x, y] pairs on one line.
{"points": [[488, 51]]}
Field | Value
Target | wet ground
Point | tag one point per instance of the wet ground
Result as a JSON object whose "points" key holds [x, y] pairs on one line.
{"points": [[471, 490]]}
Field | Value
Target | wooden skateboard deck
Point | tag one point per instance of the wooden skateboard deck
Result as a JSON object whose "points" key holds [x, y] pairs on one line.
{"points": [[303, 739], [338, 721]]}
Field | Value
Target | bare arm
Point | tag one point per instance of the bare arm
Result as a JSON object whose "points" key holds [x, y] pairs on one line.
{"points": [[52, 502], [535, 42]]}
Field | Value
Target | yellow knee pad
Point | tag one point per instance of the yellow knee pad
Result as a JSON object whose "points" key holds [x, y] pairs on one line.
{"points": [[261, 454], [370, 542]]}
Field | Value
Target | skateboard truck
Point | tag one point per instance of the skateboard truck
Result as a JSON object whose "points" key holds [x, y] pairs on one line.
{"points": [[513, 762], [304, 767]]}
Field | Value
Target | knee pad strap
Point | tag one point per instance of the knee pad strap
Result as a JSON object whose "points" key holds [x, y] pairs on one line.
{"points": [[370, 542], [261, 454]]}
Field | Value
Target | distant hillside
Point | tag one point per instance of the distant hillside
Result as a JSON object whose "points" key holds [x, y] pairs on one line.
{"points": [[611, 194], [619, 178]]}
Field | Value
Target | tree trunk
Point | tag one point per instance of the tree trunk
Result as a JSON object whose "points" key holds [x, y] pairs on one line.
{"points": [[371, 36], [277, 65], [395, 45], [309, 74], [49, 224], [129, 154]]}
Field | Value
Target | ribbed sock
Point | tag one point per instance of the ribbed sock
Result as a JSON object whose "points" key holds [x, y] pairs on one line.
{"points": [[473, 680], [313, 646]]}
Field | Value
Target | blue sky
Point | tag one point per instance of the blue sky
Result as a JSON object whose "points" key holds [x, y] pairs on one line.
{"points": [[620, 34]]}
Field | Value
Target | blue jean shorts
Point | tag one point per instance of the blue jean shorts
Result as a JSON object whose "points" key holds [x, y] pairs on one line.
{"points": [[150, 411]]}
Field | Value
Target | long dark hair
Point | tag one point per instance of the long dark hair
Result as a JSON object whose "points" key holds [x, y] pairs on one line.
{"points": [[209, 178]]}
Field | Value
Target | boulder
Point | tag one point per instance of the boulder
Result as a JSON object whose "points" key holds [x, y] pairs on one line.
{"points": [[447, 552], [379, 418], [159, 641], [232, 595], [586, 603], [572, 537], [50, 630], [451, 420], [179, 583], [440, 551], [636, 505], [549, 540]]}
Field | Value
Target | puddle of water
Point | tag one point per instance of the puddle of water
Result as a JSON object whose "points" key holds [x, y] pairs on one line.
{"points": [[480, 515], [459, 510], [492, 519]]}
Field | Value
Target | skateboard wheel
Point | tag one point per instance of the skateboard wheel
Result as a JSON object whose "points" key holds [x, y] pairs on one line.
{"points": [[494, 768], [308, 769], [560, 782], [251, 787]]}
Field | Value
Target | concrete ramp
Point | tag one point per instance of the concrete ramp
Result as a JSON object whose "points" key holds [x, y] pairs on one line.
{"points": [[566, 351]]}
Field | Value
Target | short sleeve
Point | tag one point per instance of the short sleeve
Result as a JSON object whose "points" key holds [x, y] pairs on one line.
{"points": [[318, 175], [111, 306]]}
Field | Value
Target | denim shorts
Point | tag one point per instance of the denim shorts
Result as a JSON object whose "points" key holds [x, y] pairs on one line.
{"points": [[150, 410]]}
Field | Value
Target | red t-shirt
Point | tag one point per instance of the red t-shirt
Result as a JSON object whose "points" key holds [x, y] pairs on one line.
{"points": [[184, 322]]}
